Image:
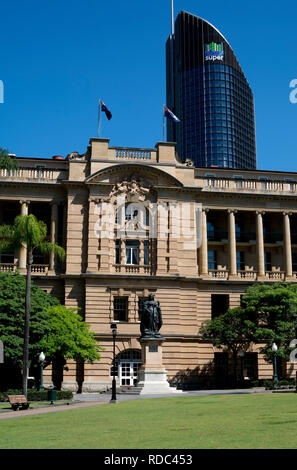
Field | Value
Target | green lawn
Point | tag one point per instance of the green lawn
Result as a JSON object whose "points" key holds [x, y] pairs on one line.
{"points": [[210, 422]]}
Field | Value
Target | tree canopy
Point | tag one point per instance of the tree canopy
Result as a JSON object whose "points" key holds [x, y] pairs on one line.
{"points": [[273, 308], [57, 331], [7, 161]]}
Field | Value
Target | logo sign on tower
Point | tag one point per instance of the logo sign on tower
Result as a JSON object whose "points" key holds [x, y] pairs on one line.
{"points": [[214, 51]]}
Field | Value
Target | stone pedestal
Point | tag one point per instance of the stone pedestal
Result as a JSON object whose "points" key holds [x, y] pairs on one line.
{"points": [[152, 377]]}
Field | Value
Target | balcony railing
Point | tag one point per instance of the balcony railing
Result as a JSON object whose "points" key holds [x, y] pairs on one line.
{"points": [[242, 274], [36, 268], [133, 153], [35, 174], [250, 185], [277, 275], [218, 273], [134, 269], [5, 267]]}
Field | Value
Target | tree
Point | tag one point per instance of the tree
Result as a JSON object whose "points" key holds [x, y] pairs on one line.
{"points": [[273, 307], [7, 162], [30, 232], [68, 337], [12, 322], [231, 331], [54, 329]]}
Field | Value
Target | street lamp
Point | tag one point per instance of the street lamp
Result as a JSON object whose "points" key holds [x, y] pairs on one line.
{"points": [[41, 360], [113, 327], [275, 377]]}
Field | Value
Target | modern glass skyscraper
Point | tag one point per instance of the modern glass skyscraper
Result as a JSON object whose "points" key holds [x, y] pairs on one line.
{"points": [[209, 93]]}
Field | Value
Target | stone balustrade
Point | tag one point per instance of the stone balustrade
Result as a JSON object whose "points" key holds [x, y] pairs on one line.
{"points": [[248, 185], [33, 174]]}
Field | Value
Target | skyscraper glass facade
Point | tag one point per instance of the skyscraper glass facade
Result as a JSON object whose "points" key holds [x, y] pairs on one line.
{"points": [[209, 93]]}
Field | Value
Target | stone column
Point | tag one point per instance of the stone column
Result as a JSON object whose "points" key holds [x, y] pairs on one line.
{"points": [[204, 247], [53, 233], [23, 249], [260, 245], [287, 245], [232, 243]]}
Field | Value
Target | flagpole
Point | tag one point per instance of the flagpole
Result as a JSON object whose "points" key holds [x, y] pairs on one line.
{"points": [[163, 125], [98, 118]]}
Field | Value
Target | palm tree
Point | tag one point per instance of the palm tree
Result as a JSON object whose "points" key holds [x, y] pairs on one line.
{"points": [[30, 232], [7, 161]]}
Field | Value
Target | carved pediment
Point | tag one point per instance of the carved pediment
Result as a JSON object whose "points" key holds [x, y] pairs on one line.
{"points": [[144, 175], [131, 189]]}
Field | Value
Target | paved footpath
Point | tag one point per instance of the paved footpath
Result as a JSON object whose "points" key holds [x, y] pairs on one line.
{"points": [[85, 400]]}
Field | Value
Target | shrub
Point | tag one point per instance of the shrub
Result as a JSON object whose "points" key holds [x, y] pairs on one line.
{"points": [[37, 395]]}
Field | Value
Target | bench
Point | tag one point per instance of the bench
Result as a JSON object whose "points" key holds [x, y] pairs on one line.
{"points": [[18, 401]]}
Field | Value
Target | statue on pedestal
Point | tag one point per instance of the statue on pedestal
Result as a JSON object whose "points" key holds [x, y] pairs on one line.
{"points": [[150, 317]]}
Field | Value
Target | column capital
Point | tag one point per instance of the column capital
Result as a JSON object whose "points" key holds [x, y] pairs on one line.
{"points": [[54, 203], [205, 209], [260, 212], [24, 201], [287, 213], [232, 211]]}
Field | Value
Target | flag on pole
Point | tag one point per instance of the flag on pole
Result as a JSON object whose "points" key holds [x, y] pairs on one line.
{"points": [[169, 114], [105, 110]]}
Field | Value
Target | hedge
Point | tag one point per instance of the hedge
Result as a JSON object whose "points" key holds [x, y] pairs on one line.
{"points": [[35, 395]]}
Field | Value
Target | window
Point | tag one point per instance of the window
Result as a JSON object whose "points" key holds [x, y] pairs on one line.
{"points": [[212, 259], [210, 231], [118, 252], [240, 261], [219, 304], [146, 252], [131, 212], [120, 308], [237, 231], [250, 365], [267, 260], [6, 258], [294, 261], [132, 252]]}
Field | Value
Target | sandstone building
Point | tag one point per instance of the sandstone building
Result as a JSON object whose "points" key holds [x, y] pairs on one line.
{"points": [[196, 238]]}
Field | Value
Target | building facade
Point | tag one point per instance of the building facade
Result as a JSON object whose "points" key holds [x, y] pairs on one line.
{"points": [[208, 91], [136, 222]]}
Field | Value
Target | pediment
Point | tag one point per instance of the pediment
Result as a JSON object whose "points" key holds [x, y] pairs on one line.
{"points": [[146, 176]]}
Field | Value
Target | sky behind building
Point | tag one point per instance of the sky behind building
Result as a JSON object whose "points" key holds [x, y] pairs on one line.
{"points": [[58, 58]]}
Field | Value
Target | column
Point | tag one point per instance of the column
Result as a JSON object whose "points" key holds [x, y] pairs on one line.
{"points": [[287, 244], [204, 247], [232, 243], [23, 249], [53, 233], [260, 244]]}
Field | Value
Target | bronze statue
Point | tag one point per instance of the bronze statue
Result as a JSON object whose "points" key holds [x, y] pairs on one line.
{"points": [[150, 317]]}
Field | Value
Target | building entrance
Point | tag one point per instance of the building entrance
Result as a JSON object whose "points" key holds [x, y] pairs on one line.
{"points": [[129, 363]]}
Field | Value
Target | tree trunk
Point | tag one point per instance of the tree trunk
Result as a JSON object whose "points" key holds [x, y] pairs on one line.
{"points": [[27, 324]]}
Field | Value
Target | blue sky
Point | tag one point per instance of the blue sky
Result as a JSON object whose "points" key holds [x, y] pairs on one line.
{"points": [[58, 57]]}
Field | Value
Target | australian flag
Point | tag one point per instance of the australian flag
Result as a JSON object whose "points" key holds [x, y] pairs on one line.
{"points": [[169, 114], [105, 110]]}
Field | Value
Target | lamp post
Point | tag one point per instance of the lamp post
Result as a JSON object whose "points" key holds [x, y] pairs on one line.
{"points": [[113, 327], [41, 360], [275, 377]]}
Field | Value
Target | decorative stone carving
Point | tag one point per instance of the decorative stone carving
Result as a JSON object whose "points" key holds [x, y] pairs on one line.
{"points": [[189, 162], [75, 156], [132, 189]]}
